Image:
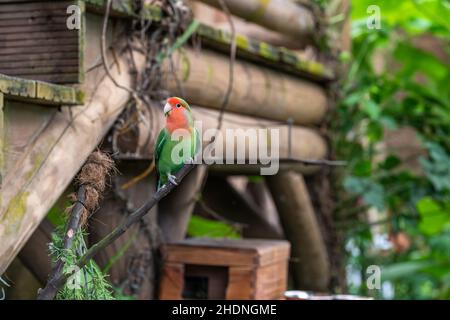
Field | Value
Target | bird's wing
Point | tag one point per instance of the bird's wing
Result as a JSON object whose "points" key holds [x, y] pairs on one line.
{"points": [[162, 137]]}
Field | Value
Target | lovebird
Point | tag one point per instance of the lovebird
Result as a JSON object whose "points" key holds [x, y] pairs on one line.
{"points": [[178, 142]]}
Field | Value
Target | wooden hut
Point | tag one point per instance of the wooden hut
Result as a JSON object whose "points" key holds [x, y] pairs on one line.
{"points": [[59, 102]]}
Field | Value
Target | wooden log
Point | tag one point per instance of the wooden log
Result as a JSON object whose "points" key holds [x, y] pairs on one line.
{"points": [[309, 257], [306, 143], [52, 155], [283, 16], [257, 91], [216, 18]]}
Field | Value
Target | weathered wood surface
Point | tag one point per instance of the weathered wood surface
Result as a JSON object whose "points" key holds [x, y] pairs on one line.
{"points": [[309, 258], [175, 210], [216, 18], [52, 154], [261, 52], [306, 143], [36, 43], [257, 91], [38, 92], [257, 269], [253, 49], [283, 16]]}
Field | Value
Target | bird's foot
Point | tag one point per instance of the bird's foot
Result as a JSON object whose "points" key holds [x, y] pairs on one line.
{"points": [[189, 160], [172, 179]]}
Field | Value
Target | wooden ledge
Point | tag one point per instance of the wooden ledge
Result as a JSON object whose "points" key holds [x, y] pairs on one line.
{"points": [[40, 92]]}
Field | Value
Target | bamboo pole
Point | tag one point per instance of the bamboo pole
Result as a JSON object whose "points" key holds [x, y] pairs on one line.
{"points": [[257, 91], [282, 16]]}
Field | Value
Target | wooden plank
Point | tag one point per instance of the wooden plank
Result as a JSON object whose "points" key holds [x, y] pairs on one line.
{"points": [[39, 92], [40, 56], [172, 281], [13, 6], [32, 43], [241, 283], [228, 252], [263, 53], [37, 31], [17, 87], [38, 49], [47, 21], [36, 36], [34, 28], [35, 64], [210, 256], [271, 280]]}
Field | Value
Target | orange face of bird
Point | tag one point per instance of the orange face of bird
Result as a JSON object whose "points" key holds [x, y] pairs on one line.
{"points": [[177, 113]]}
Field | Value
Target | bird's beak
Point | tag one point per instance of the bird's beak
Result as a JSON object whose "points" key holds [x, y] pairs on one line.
{"points": [[167, 109]]}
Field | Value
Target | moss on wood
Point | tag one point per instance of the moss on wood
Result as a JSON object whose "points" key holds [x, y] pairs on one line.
{"points": [[40, 92]]}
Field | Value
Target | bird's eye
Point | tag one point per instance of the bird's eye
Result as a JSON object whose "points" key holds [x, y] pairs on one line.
{"points": [[178, 105]]}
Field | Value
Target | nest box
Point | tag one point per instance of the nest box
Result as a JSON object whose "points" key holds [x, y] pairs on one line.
{"points": [[225, 269]]}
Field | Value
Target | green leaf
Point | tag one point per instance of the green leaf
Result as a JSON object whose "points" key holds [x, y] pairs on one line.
{"points": [[362, 168], [371, 108], [371, 191], [390, 163], [201, 227], [433, 216], [403, 269]]}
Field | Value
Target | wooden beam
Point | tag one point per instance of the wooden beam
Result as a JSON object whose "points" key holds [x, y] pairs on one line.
{"points": [[40, 92], [283, 16], [124, 9], [309, 256], [257, 91], [262, 52], [306, 143]]}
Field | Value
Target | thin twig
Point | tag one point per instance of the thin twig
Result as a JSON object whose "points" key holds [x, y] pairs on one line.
{"points": [[129, 221], [103, 51], [231, 65]]}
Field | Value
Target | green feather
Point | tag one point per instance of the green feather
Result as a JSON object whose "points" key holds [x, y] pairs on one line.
{"points": [[163, 153]]}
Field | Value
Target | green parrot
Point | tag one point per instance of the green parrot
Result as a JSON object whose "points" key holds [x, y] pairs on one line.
{"points": [[177, 143]]}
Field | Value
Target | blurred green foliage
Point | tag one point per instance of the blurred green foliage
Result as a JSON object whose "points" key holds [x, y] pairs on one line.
{"points": [[201, 227], [393, 84]]}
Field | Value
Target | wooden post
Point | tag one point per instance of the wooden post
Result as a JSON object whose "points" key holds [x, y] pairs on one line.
{"points": [[175, 210], [309, 259]]}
